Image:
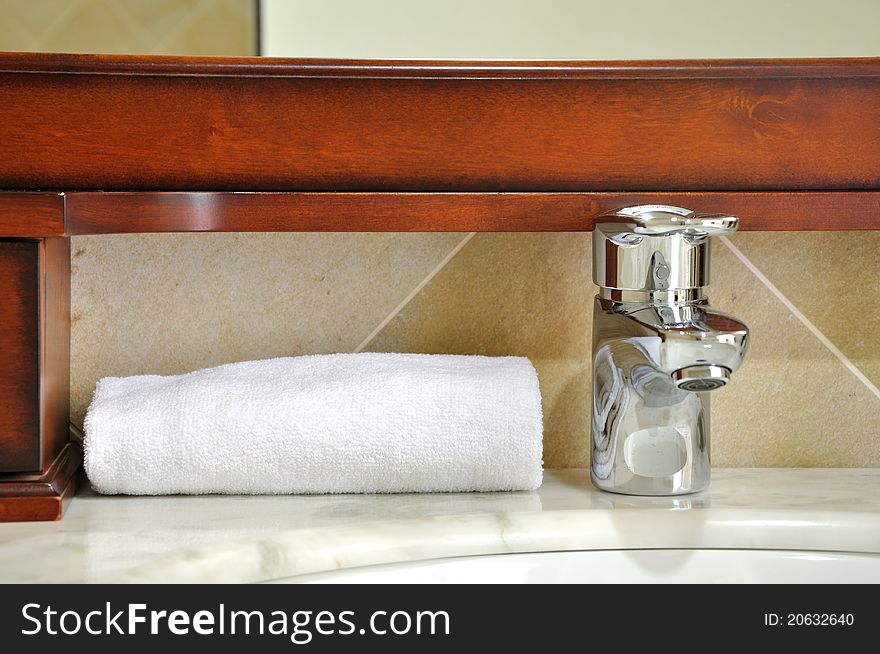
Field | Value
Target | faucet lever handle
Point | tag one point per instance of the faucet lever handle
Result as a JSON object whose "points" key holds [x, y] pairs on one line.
{"points": [[661, 219], [655, 247]]}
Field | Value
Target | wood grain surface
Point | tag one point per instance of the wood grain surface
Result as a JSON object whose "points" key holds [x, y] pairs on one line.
{"points": [[54, 399], [120, 213], [31, 214], [20, 356], [133, 123]]}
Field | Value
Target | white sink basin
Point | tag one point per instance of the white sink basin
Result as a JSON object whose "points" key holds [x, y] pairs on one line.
{"points": [[619, 566]]}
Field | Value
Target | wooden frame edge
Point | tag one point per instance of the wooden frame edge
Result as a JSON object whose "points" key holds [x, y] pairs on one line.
{"points": [[150, 212]]}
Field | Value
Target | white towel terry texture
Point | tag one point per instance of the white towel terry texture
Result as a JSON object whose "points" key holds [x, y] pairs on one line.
{"points": [[336, 423]]}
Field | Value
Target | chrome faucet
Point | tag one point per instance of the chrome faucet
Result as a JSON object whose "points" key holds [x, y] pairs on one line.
{"points": [[658, 349]]}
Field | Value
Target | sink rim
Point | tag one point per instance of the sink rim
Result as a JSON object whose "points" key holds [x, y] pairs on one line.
{"points": [[312, 550], [703, 557]]}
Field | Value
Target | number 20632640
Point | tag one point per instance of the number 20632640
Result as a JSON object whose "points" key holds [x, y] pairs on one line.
{"points": [[809, 619]]}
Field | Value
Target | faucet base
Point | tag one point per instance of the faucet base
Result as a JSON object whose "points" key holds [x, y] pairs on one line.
{"points": [[654, 365], [647, 490]]}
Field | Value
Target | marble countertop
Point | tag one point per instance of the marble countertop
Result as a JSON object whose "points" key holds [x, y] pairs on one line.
{"points": [[246, 539]]}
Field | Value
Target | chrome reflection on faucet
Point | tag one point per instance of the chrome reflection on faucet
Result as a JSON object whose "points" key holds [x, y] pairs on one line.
{"points": [[658, 349]]}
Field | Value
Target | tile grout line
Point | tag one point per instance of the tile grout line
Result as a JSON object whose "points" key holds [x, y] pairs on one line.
{"points": [[396, 310], [801, 317]]}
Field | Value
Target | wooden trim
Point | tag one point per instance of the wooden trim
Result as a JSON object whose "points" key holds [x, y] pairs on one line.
{"points": [[34, 353], [20, 334], [121, 213], [88, 64], [54, 370], [116, 123], [43, 496], [31, 214]]}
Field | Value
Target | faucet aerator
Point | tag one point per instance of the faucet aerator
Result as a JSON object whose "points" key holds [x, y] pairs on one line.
{"points": [[701, 379]]}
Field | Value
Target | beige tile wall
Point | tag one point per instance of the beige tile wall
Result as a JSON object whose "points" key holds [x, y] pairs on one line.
{"points": [[806, 396], [196, 27], [793, 403]]}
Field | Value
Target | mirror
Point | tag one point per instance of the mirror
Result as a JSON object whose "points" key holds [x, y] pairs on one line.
{"points": [[569, 29]]}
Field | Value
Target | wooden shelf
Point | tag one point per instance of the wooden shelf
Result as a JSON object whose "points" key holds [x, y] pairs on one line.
{"points": [[37, 215], [120, 213], [116, 123]]}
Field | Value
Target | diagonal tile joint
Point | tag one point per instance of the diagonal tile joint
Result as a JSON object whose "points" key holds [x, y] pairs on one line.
{"points": [[797, 313], [413, 293]]}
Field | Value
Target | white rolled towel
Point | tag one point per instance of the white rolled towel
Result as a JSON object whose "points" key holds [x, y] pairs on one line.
{"points": [[336, 423]]}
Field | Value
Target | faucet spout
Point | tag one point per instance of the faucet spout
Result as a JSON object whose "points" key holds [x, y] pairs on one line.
{"points": [[699, 347]]}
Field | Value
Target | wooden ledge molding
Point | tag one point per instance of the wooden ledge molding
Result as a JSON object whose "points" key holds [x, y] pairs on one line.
{"points": [[123, 213], [39, 215], [183, 66]]}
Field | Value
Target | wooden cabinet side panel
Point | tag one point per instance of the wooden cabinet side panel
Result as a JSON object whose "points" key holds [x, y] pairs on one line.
{"points": [[19, 356]]}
